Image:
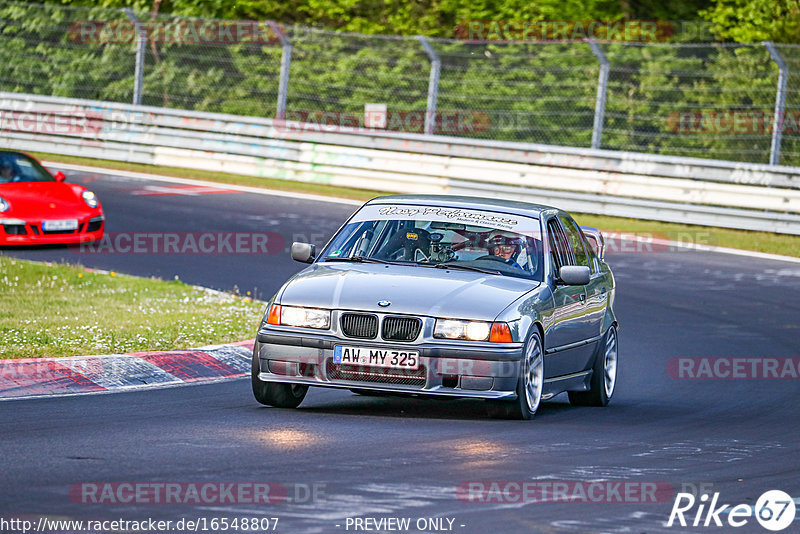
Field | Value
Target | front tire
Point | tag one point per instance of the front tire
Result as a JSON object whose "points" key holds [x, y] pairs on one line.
{"points": [[604, 374], [274, 393], [529, 385]]}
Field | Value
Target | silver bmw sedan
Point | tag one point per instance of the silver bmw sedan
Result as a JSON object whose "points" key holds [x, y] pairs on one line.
{"points": [[446, 296]]}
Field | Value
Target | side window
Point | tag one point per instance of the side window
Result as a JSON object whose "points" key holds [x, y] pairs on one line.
{"points": [[559, 250], [576, 242], [594, 262]]}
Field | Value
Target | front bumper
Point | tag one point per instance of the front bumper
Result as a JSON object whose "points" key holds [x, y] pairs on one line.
{"points": [[30, 232], [447, 369]]}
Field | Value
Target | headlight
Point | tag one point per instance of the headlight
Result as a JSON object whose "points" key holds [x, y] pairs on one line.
{"points": [[472, 331], [294, 316], [4, 205], [90, 199]]}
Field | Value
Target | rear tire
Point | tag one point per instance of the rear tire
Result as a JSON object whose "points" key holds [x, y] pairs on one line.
{"points": [[529, 385], [274, 393], [604, 374]]}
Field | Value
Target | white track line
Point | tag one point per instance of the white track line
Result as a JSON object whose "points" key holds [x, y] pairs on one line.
{"points": [[189, 181]]}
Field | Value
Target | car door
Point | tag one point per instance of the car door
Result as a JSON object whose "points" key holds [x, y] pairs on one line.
{"points": [[596, 291], [567, 329]]}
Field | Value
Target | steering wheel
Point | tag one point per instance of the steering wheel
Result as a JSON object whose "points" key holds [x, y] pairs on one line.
{"points": [[490, 257]]}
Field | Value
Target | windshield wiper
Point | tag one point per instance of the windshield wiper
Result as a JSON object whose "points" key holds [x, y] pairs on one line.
{"points": [[462, 267], [358, 259], [365, 259]]}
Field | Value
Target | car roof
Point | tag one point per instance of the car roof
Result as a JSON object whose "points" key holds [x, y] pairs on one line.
{"points": [[15, 153], [515, 207]]}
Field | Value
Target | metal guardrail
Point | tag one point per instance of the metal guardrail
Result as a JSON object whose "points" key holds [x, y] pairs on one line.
{"points": [[666, 188]]}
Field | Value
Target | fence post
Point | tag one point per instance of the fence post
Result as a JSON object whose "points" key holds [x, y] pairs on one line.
{"points": [[286, 63], [433, 84], [141, 43], [602, 91], [780, 102]]}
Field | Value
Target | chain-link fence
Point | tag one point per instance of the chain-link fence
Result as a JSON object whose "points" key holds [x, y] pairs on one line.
{"points": [[705, 100]]}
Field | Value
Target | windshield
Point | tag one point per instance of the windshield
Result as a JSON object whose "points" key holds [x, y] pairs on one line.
{"points": [[20, 168], [428, 236]]}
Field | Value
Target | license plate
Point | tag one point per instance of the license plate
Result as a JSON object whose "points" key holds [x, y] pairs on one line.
{"points": [[376, 357], [65, 224]]}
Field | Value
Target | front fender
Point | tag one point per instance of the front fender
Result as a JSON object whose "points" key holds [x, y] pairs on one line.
{"points": [[608, 319], [525, 312]]}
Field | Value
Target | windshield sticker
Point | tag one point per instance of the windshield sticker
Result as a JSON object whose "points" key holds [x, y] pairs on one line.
{"points": [[505, 221]]}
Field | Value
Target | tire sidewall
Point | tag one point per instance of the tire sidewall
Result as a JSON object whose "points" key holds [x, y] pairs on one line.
{"points": [[601, 364], [521, 389]]}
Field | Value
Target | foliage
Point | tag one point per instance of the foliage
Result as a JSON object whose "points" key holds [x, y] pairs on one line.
{"points": [[533, 92], [751, 21], [435, 18]]}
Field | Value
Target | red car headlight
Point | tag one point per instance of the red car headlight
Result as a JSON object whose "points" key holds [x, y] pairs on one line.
{"points": [[90, 198]]}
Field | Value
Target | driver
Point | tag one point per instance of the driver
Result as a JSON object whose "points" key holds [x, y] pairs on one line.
{"points": [[505, 245], [7, 172]]}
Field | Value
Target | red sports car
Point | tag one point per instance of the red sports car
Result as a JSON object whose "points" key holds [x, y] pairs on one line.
{"points": [[37, 207]]}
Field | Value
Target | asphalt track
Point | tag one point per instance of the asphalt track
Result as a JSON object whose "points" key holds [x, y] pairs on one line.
{"points": [[388, 457]]}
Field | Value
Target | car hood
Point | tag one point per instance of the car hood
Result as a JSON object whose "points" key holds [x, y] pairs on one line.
{"points": [[411, 290], [44, 200]]}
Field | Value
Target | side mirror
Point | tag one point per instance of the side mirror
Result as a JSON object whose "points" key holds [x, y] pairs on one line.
{"points": [[304, 252], [574, 275], [60, 176]]}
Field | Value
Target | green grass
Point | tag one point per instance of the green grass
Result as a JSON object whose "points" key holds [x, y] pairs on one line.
{"points": [[66, 310], [704, 235]]}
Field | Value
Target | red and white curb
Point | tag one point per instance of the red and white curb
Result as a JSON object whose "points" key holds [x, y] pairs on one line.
{"points": [[77, 375]]}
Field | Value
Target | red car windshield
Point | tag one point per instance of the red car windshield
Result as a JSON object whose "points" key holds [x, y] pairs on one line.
{"points": [[15, 167]]}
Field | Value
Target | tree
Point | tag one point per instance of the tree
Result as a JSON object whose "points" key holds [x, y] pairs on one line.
{"points": [[751, 21]]}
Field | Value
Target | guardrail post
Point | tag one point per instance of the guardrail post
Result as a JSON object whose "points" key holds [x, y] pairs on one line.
{"points": [[141, 43], [780, 102], [433, 84], [602, 91], [286, 63]]}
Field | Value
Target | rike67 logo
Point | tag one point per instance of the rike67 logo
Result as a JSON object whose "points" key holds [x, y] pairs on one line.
{"points": [[774, 510]]}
